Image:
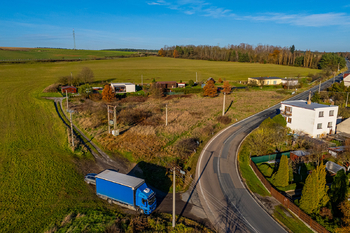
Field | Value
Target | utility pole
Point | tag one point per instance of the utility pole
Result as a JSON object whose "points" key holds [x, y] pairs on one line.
{"points": [[67, 99], [174, 189], [71, 127], [223, 105], [319, 88], [347, 97], [196, 78], [109, 127], [115, 118], [141, 80], [166, 115]]}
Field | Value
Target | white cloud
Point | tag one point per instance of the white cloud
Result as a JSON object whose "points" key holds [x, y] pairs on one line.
{"points": [[192, 7]]}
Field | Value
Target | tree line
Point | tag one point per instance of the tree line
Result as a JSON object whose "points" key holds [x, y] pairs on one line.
{"points": [[258, 54]]}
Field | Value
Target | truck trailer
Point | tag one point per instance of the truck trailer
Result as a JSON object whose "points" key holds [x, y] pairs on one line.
{"points": [[125, 190]]}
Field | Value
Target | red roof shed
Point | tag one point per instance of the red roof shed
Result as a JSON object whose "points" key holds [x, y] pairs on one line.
{"points": [[69, 89]]}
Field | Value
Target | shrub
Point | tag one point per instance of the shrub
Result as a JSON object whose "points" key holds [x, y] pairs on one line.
{"points": [[52, 88], [133, 116], [224, 119], [187, 146], [95, 96], [131, 99]]}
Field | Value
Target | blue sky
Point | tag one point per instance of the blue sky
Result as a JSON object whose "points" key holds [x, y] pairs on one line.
{"points": [[315, 25]]}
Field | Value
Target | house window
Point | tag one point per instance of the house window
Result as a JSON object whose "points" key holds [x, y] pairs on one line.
{"points": [[329, 125], [288, 109], [321, 114], [274, 82], [268, 82], [319, 126], [289, 120], [331, 113]]}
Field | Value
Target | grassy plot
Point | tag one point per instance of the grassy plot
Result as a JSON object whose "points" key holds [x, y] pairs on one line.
{"points": [[46, 53]]}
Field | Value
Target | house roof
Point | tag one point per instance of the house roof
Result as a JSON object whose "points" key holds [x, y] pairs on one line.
{"points": [[258, 78], [68, 87], [300, 153], [116, 84], [303, 104], [333, 167]]}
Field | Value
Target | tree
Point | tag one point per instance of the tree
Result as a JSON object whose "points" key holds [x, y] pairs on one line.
{"points": [[316, 98], [314, 194], [107, 93], [292, 49], [220, 80], [161, 52], [210, 89], [339, 189], [345, 209], [176, 54], [86, 75], [281, 177], [85, 90], [279, 119], [191, 83], [227, 87]]}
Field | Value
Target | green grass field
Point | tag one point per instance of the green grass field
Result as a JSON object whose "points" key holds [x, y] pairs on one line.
{"points": [[67, 54], [40, 182]]}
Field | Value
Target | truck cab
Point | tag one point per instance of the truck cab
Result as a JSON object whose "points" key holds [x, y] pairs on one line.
{"points": [[145, 199]]}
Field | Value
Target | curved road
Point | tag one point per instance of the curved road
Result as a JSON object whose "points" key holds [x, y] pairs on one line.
{"points": [[228, 204]]}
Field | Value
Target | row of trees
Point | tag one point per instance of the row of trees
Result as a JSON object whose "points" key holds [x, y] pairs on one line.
{"points": [[257, 54], [86, 75]]}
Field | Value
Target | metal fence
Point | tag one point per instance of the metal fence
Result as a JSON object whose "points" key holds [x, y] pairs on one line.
{"points": [[288, 203]]}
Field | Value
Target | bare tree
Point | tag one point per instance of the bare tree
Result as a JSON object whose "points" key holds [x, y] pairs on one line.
{"points": [[86, 75]]}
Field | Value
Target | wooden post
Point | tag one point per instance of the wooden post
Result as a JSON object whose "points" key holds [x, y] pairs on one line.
{"points": [[115, 118], [71, 127], [109, 127], [67, 98], [174, 189], [223, 106], [166, 115]]}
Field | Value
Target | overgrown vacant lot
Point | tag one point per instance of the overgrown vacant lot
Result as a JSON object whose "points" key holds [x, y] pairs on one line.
{"points": [[192, 120], [40, 182]]}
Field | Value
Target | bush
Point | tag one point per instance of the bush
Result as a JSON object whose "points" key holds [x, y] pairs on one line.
{"points": [[132, 99], [52, 88], [95, 96], [133, 116], [187, 146], [224, 119]]}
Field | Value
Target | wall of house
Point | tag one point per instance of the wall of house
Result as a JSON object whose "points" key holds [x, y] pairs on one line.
{"points": [[324, 120], [346, 80], [130, 88]]}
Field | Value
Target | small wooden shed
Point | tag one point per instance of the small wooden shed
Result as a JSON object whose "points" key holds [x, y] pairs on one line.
{"points": [[69, 89]]}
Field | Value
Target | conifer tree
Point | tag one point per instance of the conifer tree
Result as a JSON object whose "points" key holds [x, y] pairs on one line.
{"points": [[314, 195], [281, 177]]}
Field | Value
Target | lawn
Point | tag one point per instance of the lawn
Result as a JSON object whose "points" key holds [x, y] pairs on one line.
{"points": [[64, 54], [40, 180]]}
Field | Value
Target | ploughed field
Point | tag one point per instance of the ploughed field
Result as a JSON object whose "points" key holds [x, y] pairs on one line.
{"points": [[39, 176]]}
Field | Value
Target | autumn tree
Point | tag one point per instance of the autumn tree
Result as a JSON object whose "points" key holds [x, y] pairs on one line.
{"points": [[281, 177], [86, 75], [210, 89], [107, 93], [161, 52], [345, 209], [227, 87], [176, 54], [314, 194], [220, 80]]}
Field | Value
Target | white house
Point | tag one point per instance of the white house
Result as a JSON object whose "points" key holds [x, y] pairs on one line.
{"points": [[290, 82], [316, 120], [346, 79], [123, 87]]}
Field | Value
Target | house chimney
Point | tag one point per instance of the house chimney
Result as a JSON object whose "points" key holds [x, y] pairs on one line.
{"points": [[309, 100]]}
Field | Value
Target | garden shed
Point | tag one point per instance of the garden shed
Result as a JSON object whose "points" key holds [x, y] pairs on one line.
{"points": [[333, 167], [69, 89]]}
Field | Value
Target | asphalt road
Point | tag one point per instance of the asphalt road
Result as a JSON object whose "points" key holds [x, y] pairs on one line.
{"points": [[228, 204]]}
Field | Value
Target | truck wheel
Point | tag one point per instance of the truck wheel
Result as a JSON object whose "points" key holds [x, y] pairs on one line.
{"points": [[109, 201]]}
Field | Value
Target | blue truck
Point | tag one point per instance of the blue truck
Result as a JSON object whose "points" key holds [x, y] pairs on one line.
{"points": [[125, 190]]}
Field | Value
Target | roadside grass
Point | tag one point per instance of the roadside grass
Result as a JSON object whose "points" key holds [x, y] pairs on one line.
{"points": [[64, 54], [294, 224], [248, 174], [40, 180]]}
